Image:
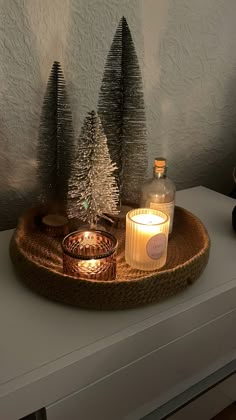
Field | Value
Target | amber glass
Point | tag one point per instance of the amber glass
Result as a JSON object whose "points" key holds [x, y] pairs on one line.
{"points": [[90, 254]]}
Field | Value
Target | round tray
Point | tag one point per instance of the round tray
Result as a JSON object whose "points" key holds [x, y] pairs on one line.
{"points": [[37, 258]]}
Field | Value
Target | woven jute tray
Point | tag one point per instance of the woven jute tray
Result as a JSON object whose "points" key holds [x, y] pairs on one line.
{"points": [[37, 258]]}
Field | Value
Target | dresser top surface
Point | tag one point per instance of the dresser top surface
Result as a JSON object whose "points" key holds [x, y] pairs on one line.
{"points": [[36, 332]]}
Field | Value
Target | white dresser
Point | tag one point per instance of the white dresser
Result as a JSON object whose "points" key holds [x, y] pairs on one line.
{"points": [[115, 365]]}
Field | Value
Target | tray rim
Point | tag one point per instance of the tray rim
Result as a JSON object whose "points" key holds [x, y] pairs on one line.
{"points": [[153, 274]]}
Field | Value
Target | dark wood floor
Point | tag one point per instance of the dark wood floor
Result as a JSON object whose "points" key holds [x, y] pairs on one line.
{"points": [[228, 413]]}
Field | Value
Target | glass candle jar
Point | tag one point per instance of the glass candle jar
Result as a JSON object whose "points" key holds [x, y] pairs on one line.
{"points": [[146, 239], [90, 254]]}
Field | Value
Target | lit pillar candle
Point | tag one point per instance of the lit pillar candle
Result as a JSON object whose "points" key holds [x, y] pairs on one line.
{"points": [[146, 239]]}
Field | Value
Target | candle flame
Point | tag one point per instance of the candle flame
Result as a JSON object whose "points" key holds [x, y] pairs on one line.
{"points": [[148, 219]]}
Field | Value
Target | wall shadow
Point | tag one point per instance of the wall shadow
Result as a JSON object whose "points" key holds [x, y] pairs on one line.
{"points": [[193, 104], [21, 94]]}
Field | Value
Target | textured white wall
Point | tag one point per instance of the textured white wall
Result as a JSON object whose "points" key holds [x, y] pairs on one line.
{"points": [[187, 55]]}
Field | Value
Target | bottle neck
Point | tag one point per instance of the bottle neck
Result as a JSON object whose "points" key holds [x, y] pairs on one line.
{"points": [[160, 173]]}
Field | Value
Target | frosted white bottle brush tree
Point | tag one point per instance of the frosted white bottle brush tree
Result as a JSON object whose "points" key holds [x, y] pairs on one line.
{"points": [[93, 191]]}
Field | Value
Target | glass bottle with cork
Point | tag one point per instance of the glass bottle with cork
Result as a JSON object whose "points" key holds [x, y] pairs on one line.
{"points": [[159, 192]]}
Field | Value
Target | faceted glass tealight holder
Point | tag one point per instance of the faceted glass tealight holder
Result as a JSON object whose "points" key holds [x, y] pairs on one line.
{"points": [[90, 254], [146, 238]]}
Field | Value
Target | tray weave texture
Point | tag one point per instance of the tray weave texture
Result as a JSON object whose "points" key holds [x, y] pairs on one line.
{"points": [[37, 258]]}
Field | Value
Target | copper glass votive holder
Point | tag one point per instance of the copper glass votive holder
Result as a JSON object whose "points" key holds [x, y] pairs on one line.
{"points": [[90, 254]]}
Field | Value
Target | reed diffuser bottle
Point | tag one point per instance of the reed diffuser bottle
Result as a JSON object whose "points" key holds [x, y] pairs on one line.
{"points": [[159, 192]]}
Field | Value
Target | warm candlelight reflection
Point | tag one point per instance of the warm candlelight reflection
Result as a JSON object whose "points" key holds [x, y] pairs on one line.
{"points": [[90, 255]]}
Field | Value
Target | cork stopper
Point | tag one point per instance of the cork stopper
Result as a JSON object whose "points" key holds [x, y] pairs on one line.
{"points": [[160, 162], [160, 165]]}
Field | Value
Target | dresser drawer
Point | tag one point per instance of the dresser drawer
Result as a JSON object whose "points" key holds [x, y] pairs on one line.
{"points": [[124, 393]]}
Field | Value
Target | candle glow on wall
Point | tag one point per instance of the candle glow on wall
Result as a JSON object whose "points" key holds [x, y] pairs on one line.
{"points": [[146, 239]]}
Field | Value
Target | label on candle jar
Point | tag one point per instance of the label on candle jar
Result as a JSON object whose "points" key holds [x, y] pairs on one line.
{"points": [[156, 246]]}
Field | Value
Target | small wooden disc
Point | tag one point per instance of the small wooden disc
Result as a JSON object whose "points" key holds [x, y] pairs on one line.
{"points": [[54, 220], [55, 225]]}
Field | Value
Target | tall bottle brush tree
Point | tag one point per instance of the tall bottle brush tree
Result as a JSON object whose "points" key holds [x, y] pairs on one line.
{"points": [[93, 191], [121, 108], [55, 149]]}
